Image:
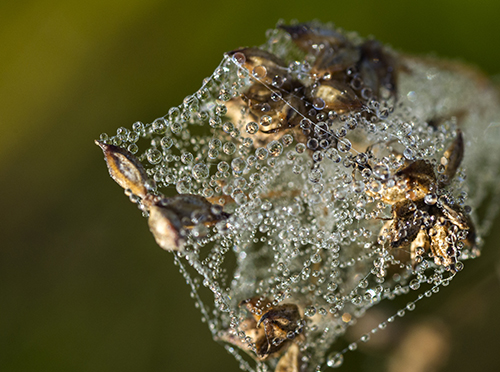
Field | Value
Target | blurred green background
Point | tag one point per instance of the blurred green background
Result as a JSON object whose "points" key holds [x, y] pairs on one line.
{"points": [[83, 287]]}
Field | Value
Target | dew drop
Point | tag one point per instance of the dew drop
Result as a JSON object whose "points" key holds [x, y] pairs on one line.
{"points": [[381, 171], [266, 120], [215, 144], [344, 145], [261, 153], [223, 167], [183, 186], [335, 360], [430, 199], [133, 148], [238, 165], [154, 156], [200, 171], [274, 148], [187, 157], [287, 140], [138, 126], [239, 58], [229, 148], [259, 72], [410, 306], [252, 127], [300, 148], [318, 103], [310, 311], [409, 154], [166, 142]]}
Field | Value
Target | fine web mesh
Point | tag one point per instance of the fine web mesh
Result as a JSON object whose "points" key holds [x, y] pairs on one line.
{"points": [[305, 166]]}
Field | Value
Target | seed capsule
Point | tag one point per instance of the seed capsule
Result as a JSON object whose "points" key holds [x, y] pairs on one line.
{"points": [[125, 169]]}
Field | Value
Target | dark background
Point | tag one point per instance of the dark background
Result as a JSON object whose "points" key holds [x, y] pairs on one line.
{"points": [[83, 287]]}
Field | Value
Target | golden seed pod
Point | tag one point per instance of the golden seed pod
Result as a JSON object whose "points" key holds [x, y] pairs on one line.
{"points": [[166, 228], [125, 169]]}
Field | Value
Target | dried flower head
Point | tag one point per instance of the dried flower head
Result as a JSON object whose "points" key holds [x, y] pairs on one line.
{"points": [[316, 176]]}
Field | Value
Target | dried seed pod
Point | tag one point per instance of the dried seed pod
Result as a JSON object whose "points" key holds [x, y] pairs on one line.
{"points": [[166, 227], [193, 210], [125, 169], [171, 218], [409, 196], [277, 321], [275, 101]]}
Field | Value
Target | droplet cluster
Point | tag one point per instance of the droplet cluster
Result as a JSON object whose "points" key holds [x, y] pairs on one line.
{"points": [[305, 194]]}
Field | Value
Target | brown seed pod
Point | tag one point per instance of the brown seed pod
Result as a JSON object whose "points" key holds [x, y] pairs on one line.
{"points": [[419, 219], [278, 322], [125, 169]]}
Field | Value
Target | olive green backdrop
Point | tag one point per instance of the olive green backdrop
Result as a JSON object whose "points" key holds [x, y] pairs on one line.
{"points": [[83, 287]]}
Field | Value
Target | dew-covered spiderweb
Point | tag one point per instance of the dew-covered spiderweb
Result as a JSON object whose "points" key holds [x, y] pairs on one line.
{"points": [[332, 158]]}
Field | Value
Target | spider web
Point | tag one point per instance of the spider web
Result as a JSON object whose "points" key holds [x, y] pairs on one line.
{"points": [[306, 225]]}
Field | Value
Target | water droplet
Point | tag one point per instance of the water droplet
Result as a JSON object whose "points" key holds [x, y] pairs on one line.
{"points": [[200, 171], [409, 154], [365, 338], [220, 110], [187, 157], [261, 153], [335, 360], [159, 126], [300, 148], [154, 156], [223, 167], [287, 140], [215, 144], [274, 148], [183, 186], [310, 311], [278, 81], [138, 126], [133, 148], [430, 199], [239, 58], [312, 144], [166, 142], [414, 284], [259, 72], [344, 145], [238, 165], [410, 306], [229, 148], [266, 120], [228, 127], [381, 171], [252, 127], [318, 103]]}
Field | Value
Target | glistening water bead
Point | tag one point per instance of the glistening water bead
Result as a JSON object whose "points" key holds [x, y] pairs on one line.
{"points": [[315, 176]]}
